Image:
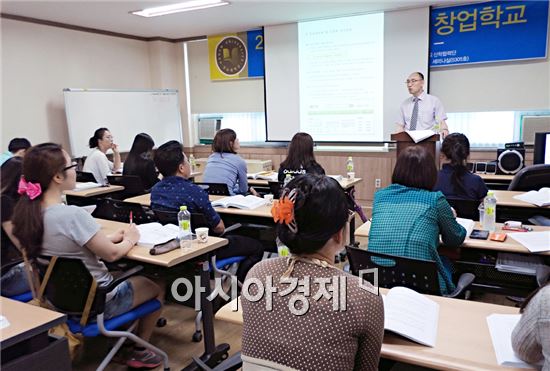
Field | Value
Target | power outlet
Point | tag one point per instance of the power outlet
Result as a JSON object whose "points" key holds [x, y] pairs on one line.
{"points": [[377, 183]]}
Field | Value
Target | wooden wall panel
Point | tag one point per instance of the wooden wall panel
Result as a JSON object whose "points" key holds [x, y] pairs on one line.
{"points": [[368, 165]]}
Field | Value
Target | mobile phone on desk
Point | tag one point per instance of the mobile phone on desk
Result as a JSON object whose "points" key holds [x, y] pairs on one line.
{"points": [[499, 237], [479, 234]]}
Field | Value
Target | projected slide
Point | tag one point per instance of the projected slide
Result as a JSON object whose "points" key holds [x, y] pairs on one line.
{"points": [[341, 78]]}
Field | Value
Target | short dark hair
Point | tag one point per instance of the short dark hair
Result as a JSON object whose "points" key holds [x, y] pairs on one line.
{"points": [[320, 210], [420, 74], [415, 168], [98, 134], [17, 144], [168, 157], [223, 141]]}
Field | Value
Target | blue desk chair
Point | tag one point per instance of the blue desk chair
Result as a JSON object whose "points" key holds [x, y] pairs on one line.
{"points": [[222, 267], [71, 289], [24, 297]]}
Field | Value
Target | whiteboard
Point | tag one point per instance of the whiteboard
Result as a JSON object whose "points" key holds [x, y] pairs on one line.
{"points": [[125, 113]]}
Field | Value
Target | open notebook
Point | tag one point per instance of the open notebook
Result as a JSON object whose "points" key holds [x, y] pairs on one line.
{"points": [[411, 315], [240, 202], [86, 185], [501, 327], [468, 225], [264, 175], [539, 198], [151, 234]]}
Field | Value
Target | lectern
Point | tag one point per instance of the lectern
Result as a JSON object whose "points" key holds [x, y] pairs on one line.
{"points": [[432, 144]]}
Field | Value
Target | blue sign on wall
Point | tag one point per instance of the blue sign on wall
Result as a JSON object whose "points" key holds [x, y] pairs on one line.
{"points": [[488, 32], [255, 53]]}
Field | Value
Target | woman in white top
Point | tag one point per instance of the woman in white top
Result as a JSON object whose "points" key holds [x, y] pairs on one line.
{"points": [[97, 162], [45, 226]]}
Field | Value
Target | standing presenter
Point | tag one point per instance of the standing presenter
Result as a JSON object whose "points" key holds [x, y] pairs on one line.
{"points": [[421, 111]]}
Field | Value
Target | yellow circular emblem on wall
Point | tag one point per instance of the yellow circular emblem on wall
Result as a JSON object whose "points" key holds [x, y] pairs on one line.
{"points": [[231, 55]]}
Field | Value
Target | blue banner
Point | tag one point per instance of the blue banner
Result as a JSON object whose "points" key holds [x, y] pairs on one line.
{"points": [[488, 32], [255, 41]]}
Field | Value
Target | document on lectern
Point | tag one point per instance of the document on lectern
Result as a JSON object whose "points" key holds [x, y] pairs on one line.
{"points": [[420, 135]]}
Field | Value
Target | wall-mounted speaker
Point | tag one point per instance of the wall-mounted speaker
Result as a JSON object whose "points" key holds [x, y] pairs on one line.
{"points": [[510, 161]]}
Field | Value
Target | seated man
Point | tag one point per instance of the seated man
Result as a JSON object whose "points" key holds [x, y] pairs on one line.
{"points": [[175, 190], [16, 148]]}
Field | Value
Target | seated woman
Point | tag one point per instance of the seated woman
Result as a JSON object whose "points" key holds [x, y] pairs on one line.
{"points": [[140, 161], [314, 332], [14, 280], [45, 226], [531, 336], [300, 159], [97, 162], [408, 217], [454, 179], [224, 165]]}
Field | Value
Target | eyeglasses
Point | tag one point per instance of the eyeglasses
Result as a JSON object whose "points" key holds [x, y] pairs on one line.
{"points": [[412, 81], [73, 164]]}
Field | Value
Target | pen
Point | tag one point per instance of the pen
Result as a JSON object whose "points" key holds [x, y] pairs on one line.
{"points": [[131, 218]]}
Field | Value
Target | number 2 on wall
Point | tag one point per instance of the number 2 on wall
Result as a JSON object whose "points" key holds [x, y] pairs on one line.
{"points": [[260, 42]]}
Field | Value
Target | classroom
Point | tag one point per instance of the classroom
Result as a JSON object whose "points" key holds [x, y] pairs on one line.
{"points": [[343, 72]]}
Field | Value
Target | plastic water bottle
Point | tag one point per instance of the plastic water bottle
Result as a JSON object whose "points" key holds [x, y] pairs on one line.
{"points": [[192, 162], [349, 165], [282, 249], [184, 222], [489, 216]]}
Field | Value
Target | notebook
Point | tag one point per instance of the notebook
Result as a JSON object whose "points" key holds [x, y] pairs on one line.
{"points": [[501, 327], [539, 198], [264, 175], [241, 202], [468, 225], [151, 234], [411, 315]]}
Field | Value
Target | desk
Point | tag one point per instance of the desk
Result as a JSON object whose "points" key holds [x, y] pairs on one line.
{"points": [[212, 353], [91, 192], [463, 339], [261, 214], [510, 245], [479, 257], [345, 183], [496, 177], [26, 339], [141, 253], [509, 208], [496, 181]]}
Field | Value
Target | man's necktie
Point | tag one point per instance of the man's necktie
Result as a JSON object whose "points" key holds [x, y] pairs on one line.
{"points": [[414, 116]]}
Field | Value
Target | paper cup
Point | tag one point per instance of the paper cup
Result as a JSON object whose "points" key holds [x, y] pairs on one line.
{"points": [[351, 175], [268, 198], [202, 235]]}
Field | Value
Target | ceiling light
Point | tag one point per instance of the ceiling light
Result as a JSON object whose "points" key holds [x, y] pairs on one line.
{"points": [[179, 7]]}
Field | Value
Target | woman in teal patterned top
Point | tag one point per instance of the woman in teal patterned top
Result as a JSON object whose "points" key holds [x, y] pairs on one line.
{"points": [[407, 217]]}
